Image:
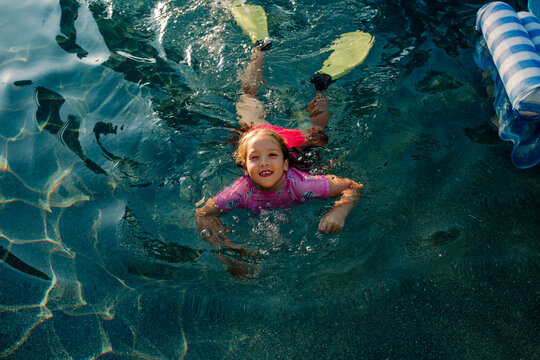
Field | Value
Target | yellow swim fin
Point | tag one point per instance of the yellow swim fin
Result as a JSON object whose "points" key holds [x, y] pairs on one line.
{"points": [[252, 19], [348, 51]]}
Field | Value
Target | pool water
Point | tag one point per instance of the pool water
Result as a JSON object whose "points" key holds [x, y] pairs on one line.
{"points": [[116, 118]]}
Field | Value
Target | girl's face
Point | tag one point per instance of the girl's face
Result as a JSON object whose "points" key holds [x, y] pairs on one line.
{"points": [[265, 164]]}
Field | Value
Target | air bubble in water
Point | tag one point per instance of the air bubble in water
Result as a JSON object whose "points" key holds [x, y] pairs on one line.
{"points": [[206, 233]]}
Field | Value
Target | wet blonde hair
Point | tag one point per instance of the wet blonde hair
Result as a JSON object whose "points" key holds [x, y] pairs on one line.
{"points": [[240, 155]]}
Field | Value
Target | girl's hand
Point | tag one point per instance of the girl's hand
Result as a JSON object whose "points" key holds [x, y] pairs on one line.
{"points": [[211, 229], [350, 192], [239, 269], [332, 222]]}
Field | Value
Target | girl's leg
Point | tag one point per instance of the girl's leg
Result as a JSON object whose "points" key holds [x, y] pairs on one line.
{"points": [[319, 115], [318, 109], [249, 108]]}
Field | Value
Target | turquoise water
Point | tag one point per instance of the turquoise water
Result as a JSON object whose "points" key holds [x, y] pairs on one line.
{"points": [[116, 117]]}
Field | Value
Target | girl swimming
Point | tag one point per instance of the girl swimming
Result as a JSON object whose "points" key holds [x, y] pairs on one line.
{"points": [[265, 151], [269, 182]]}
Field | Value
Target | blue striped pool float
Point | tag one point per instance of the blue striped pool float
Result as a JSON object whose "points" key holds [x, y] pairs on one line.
{"points": [[514, 54], [532, 25]]}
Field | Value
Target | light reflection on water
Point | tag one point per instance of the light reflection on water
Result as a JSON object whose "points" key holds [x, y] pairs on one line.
{"points": [[116, 122]]}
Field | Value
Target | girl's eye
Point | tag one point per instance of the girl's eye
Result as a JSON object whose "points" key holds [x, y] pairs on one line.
{"points": [[253, 157]]}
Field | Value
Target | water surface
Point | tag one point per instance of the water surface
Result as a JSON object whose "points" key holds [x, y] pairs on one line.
{"points": [[115, 120]]}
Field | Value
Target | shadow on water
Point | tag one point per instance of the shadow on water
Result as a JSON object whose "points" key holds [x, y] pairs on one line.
{"points": [[149, 246], [145, 66], [134, 56], [16, 263], [48, 118], [68, 39]]}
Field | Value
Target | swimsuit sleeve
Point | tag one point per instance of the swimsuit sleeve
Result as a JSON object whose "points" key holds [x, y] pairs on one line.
{"points": [[308, 187], [232, 196]]}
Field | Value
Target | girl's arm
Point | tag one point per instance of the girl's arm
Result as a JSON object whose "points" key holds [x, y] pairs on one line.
{"points": [[212, 229], [350, 192]]}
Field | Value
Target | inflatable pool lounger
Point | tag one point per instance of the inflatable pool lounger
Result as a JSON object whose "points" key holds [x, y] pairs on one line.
{"points": [[510, 50]]}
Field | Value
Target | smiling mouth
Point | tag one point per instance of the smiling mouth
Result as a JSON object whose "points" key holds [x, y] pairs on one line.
{"points": [[265, 173]]}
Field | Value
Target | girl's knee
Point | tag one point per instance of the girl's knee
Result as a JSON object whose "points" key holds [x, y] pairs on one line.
{"points": [[316, 137]]}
